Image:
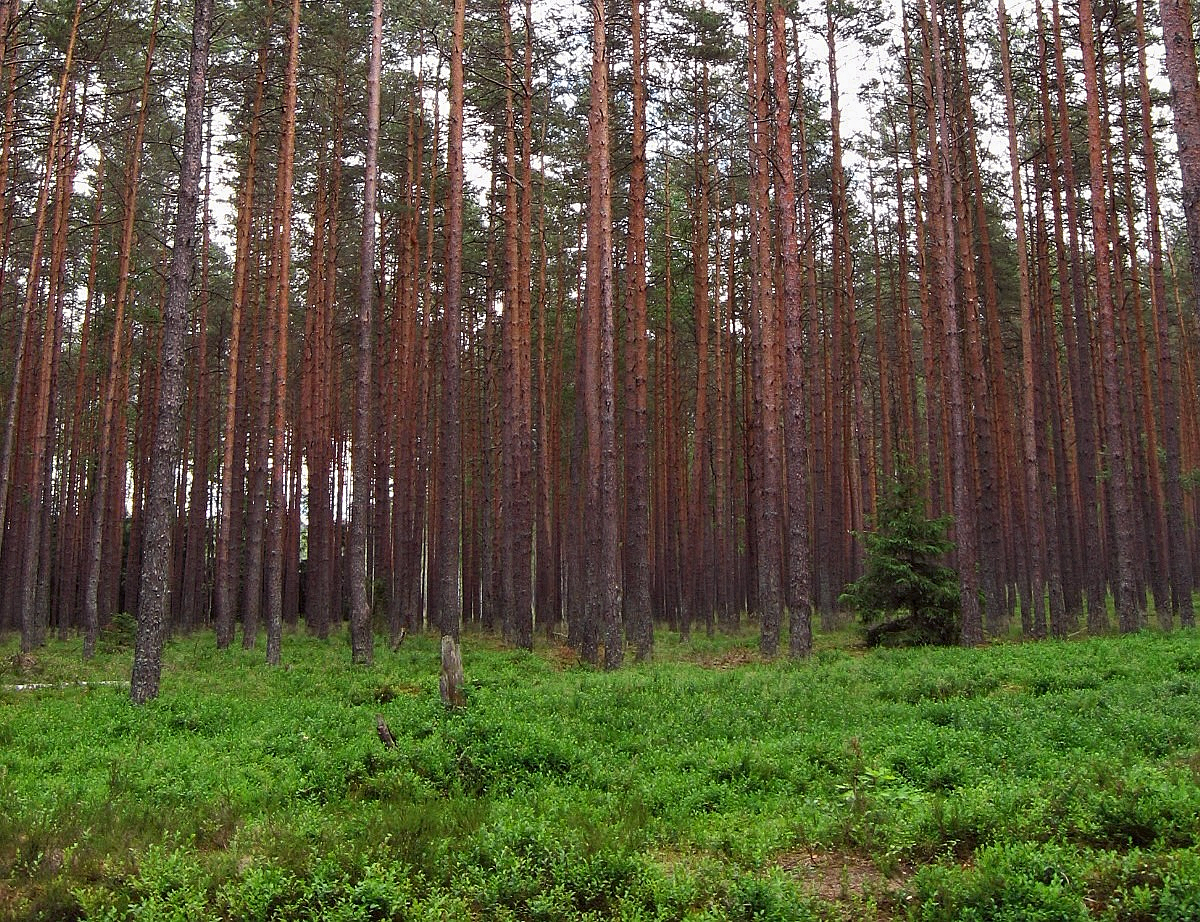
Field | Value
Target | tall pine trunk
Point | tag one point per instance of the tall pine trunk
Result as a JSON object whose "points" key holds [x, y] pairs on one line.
{"points": [[148, 646], [361, 639], [448, 546]]}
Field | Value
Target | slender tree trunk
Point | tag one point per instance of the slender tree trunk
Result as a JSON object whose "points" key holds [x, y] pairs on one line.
{"points": [[799, 588], [34, 626], [1180, 41], [70, 599], [516, 526], [1034, 529], [639, 621], [449, 601], [1128, 607], [768, 547], [195, 551], [1083, 390], [697, 604], [604, 597], [964, 509], [1166, 334], [278, 309], [225, 575], [54, 147], [147, 656], [361, 639]]}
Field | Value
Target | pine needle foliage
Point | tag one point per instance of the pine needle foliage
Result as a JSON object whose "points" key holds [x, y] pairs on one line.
{"points": [[906, 595]]}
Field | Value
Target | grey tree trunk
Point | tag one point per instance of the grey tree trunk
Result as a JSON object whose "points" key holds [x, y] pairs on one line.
{"points": [[148, 647]]}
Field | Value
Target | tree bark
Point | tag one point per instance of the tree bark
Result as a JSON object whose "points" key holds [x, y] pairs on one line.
{"points": [[604, 596], [1180, 42], [639, 621], [449, 599], [225, 575], [945, 242], [278, 309], [361, 638], [799, 588], [148, 647], [1128, 608]]}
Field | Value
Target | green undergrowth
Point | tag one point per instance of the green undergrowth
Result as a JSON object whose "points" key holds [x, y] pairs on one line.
{"points": [[1051, 781]]}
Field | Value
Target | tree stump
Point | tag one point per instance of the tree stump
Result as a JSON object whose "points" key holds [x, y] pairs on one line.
{"points": [[451, 684], [385, 733]]}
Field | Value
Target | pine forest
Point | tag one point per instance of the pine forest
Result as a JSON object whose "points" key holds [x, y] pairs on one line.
{"points": [[583, 320]]}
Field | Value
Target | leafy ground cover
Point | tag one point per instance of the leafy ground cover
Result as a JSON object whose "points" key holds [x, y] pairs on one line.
{"points": [[1053, 781]]}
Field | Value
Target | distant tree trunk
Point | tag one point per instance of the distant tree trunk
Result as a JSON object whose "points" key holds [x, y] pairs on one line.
{"points": [[1083, 388], [768, 545], [930, 351], [550, 531], [1034, 529], [697, 568], [35, 550], [195, 550], [278, 309], [225, 575], [639, 621], [945, 243], [1180, 41], [523, 553], [55, 148], [992, 408], [361, 639], [838, 410], [147, 656], [799, 588], [449, 599], [1166, 334], [908, 439], [104, 465], [1128, 608], [71, 562], [1070, 503], [517, 524]]}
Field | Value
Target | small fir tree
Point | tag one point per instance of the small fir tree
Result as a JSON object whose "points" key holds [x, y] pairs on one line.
{"points": [[906, 596]]}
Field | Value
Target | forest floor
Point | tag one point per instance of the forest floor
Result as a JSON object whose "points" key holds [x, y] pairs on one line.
{"points": [[1051, 780]]}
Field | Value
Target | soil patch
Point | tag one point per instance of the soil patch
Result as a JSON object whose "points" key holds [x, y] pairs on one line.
{"points": [[845, 878], [732, 659]]}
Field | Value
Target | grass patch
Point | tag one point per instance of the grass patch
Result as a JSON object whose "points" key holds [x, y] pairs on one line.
{"points": [[1033, 781]]}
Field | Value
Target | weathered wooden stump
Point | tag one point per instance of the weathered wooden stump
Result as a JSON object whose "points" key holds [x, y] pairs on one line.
{"points": [[451, 685], [385, 733]]}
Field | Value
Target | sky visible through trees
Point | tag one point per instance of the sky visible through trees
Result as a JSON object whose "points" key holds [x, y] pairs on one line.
{"points": [[625, 315]]}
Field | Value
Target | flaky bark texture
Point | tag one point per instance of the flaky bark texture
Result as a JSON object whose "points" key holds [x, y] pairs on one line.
{"points": [[604, 591], [148, 647]]}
